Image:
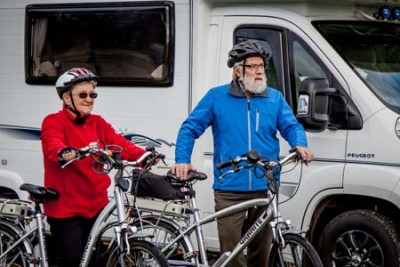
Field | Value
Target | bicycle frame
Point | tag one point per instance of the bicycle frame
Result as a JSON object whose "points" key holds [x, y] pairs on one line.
{"points": [[23, 239], [270, 217], [224, 259], [104, 223], [108, 160]]}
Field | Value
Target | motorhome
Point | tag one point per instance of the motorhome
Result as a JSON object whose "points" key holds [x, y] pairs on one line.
{"points": [[336, 62]]}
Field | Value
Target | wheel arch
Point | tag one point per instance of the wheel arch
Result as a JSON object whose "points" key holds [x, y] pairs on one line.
{"points": [[334, 205]]}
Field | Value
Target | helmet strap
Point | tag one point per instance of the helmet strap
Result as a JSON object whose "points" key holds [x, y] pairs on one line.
{"points": [[78, 119]]}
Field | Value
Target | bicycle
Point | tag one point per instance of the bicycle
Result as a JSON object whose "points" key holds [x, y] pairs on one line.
{"points": [[171, 231], [22, 239]]}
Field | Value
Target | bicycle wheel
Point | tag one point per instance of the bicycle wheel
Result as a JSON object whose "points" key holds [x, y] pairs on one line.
{"points": [[161, 233], [297, 252], [16, 257], [142, 254]]}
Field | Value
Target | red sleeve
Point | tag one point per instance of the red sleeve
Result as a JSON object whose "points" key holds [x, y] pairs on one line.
{"points": [[52, 137]]}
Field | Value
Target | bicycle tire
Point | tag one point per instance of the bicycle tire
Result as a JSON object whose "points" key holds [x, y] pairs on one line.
{"points": [[16, 257], [298, 251], [142, 253], [160, 233]]}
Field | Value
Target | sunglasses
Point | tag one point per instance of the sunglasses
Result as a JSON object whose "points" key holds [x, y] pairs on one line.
{"points": [[83, 95]]}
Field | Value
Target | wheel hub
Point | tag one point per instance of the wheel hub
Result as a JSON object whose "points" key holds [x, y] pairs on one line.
{"points": [[357, 248], [356, 260]]}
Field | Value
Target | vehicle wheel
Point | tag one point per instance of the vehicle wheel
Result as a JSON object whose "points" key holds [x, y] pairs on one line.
{"points": [[15, 258], [142, 253], [360, 238], [297, 252], [161, 234]]}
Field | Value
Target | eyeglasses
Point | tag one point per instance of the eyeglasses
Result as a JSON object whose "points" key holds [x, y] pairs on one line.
{"points": [[254, 67], [83, 95]]}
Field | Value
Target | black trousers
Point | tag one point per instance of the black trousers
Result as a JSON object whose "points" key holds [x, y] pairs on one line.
{"points": [[70, 236]]}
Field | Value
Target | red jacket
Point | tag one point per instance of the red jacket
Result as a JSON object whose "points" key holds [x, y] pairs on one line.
{"points": [[82, 192]]}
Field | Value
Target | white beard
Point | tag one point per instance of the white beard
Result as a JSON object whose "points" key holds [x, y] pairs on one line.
{"points": [[253, 86]]}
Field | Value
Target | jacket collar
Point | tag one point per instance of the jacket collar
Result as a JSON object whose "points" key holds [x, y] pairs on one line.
{"points": [[72, 117]]}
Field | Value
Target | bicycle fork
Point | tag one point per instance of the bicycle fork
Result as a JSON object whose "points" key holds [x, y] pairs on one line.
{"points": [[122, 230]]}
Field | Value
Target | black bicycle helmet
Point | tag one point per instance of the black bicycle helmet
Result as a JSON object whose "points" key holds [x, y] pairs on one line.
{"points": [[72, 77], [246, 49]]}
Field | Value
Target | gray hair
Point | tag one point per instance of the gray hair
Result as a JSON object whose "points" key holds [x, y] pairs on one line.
{"points": [[234, 77]]}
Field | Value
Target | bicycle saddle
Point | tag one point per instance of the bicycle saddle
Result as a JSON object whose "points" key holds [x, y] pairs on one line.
{"points": [[39, 193], [192, 176]]}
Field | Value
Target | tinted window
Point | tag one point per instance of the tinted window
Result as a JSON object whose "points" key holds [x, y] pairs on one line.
{"points": [[372, 49]]}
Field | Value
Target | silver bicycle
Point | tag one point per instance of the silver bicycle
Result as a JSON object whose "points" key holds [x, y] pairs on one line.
{"points": [[22, 237], [170, 228]]}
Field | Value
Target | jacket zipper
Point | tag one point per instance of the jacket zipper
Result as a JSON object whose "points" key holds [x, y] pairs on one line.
{"points": [[257, 119], [249, 134]]}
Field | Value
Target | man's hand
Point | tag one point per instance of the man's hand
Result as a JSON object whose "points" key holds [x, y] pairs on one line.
{"points": [[181, 170], [305, 154]]}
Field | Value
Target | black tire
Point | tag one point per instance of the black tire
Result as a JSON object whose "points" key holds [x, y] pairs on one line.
{"points": [[298, 251], [360, 238], [160, 234], [15, 258], [142, 254]]}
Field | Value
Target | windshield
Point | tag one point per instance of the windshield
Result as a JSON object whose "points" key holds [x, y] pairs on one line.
{"points": [[372, 49]]}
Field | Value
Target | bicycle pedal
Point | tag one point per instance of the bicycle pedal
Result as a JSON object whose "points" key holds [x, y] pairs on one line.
{"points": [[191, 255], [32, 259]]}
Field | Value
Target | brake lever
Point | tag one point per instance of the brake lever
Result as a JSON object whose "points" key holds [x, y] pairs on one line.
{"points": [[69, 162], [235, 169]]}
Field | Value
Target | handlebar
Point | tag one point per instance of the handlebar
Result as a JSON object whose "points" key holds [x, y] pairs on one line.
{"points": [[253, 158], [110, 155]]}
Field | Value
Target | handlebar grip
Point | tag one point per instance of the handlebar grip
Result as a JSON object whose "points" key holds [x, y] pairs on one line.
{"points": [[80, 153], [224, 164]]}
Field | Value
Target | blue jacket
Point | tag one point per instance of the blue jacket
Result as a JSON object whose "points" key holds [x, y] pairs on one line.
{"points": [[238, 126]]}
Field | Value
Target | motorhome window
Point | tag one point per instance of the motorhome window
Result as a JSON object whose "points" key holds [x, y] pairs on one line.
{"points": [[124, 43], [304, 64], [272, 42], [372, 50]]}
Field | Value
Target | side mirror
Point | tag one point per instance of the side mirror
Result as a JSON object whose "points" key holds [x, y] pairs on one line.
{"points": [[313, 104]]}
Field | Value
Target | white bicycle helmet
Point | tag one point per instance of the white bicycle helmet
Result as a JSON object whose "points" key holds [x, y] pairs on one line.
{"points": [[72, 77]]}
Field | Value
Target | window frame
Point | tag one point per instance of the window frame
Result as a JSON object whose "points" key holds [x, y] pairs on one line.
{"points": [[167, 74], [274, 43]]}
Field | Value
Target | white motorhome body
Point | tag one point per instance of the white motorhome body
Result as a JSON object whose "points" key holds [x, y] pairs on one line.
{"points": [[337, 57], [138, 111]]}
